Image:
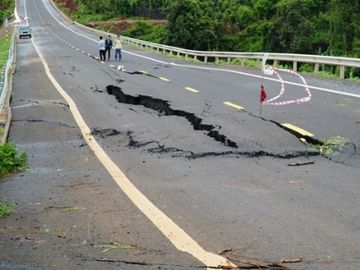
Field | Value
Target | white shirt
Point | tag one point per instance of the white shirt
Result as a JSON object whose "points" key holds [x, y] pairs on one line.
{"points": [[102, 45]]}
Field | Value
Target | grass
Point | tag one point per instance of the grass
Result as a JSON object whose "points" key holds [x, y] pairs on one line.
{"points": [[6, 208], [10, 160], [331, 145], [4, 51], [353, 79]]}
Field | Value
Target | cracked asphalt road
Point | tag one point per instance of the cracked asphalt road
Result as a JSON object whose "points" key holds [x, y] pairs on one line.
{"points": [[69, 209]]}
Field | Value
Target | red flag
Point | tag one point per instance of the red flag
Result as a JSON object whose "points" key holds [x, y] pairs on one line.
{"points": [[263, 95]]}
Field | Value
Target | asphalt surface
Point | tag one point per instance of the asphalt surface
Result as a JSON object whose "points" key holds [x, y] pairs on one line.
{"points": [[221, 174]]}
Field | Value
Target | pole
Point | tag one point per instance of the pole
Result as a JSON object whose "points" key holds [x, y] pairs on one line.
{"points": [[261, 84], [263, 63]]}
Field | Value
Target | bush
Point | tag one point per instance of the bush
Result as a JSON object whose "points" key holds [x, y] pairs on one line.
{"points": [[306, 68], [10, 160], [331, 145], [6, 207], [145, 31]]}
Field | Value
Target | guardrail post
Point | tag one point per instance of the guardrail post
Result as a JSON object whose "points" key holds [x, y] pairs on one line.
{"points": [[205, 59], [186, 56], [295, 66], [195, 58], [342, 72], [275, 64], [216, 60], [228, 60], [316, 68]]}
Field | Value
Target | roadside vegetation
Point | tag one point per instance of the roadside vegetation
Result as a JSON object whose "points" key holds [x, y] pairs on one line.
{"points": [[330, 145], [10, 160], [6, 9], [6, 207], [4, 51]]}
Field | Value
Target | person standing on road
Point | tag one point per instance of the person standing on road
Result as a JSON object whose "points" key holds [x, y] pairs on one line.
{"points": [[102, 49], [108, 46], [118, 47]]}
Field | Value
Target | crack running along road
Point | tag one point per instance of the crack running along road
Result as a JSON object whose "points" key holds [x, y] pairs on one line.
{"points": [[163, 107]]}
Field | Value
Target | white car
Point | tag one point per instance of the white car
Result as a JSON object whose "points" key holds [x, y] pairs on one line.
{"points": [[24, 31]]}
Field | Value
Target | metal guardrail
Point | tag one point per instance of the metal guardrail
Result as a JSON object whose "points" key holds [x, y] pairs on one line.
{"points": [[216, 56], [5, 83], [5, 92]]}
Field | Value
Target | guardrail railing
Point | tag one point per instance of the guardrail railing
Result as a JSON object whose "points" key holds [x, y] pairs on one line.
{"points": [[216, 56], [5, 91], [5, 81]]}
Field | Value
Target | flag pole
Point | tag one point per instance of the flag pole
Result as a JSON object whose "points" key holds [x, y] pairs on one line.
{"points": [[262, 90], [261, 87]]}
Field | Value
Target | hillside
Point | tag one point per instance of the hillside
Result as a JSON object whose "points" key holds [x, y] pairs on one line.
{"points": [[330, 27]]}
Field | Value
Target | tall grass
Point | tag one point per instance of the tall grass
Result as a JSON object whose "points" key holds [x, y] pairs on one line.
{"points": [[4, 51]]}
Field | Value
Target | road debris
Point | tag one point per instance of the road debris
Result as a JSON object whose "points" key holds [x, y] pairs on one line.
{"points": [[116, 245], [301, 163], [297, 182], [297, 260]]}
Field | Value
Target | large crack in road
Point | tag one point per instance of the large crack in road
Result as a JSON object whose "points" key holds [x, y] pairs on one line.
{"points": [[163, 107]]}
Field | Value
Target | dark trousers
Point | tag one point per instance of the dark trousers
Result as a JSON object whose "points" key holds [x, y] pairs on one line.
{"points": [[108, 52], [102, 55]]}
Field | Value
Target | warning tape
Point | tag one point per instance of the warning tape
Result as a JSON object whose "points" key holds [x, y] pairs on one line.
{"points": [[282, 90]]}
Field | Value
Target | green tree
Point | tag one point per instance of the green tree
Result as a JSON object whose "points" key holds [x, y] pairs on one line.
{"points": [[189, 27], [6, 9]]}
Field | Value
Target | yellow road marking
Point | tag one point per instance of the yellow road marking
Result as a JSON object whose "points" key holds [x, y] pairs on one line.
{"points": [[178, 237], [297, 129], [233, 105], [164, 79], [192, 90]]}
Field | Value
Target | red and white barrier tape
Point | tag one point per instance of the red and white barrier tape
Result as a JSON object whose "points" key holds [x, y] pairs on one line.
{"points": [[282, 90]]}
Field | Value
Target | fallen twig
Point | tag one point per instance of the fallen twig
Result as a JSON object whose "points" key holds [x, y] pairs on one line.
{"points": [[116, 245], [301, 163], [222, 252], [297, 260]]}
